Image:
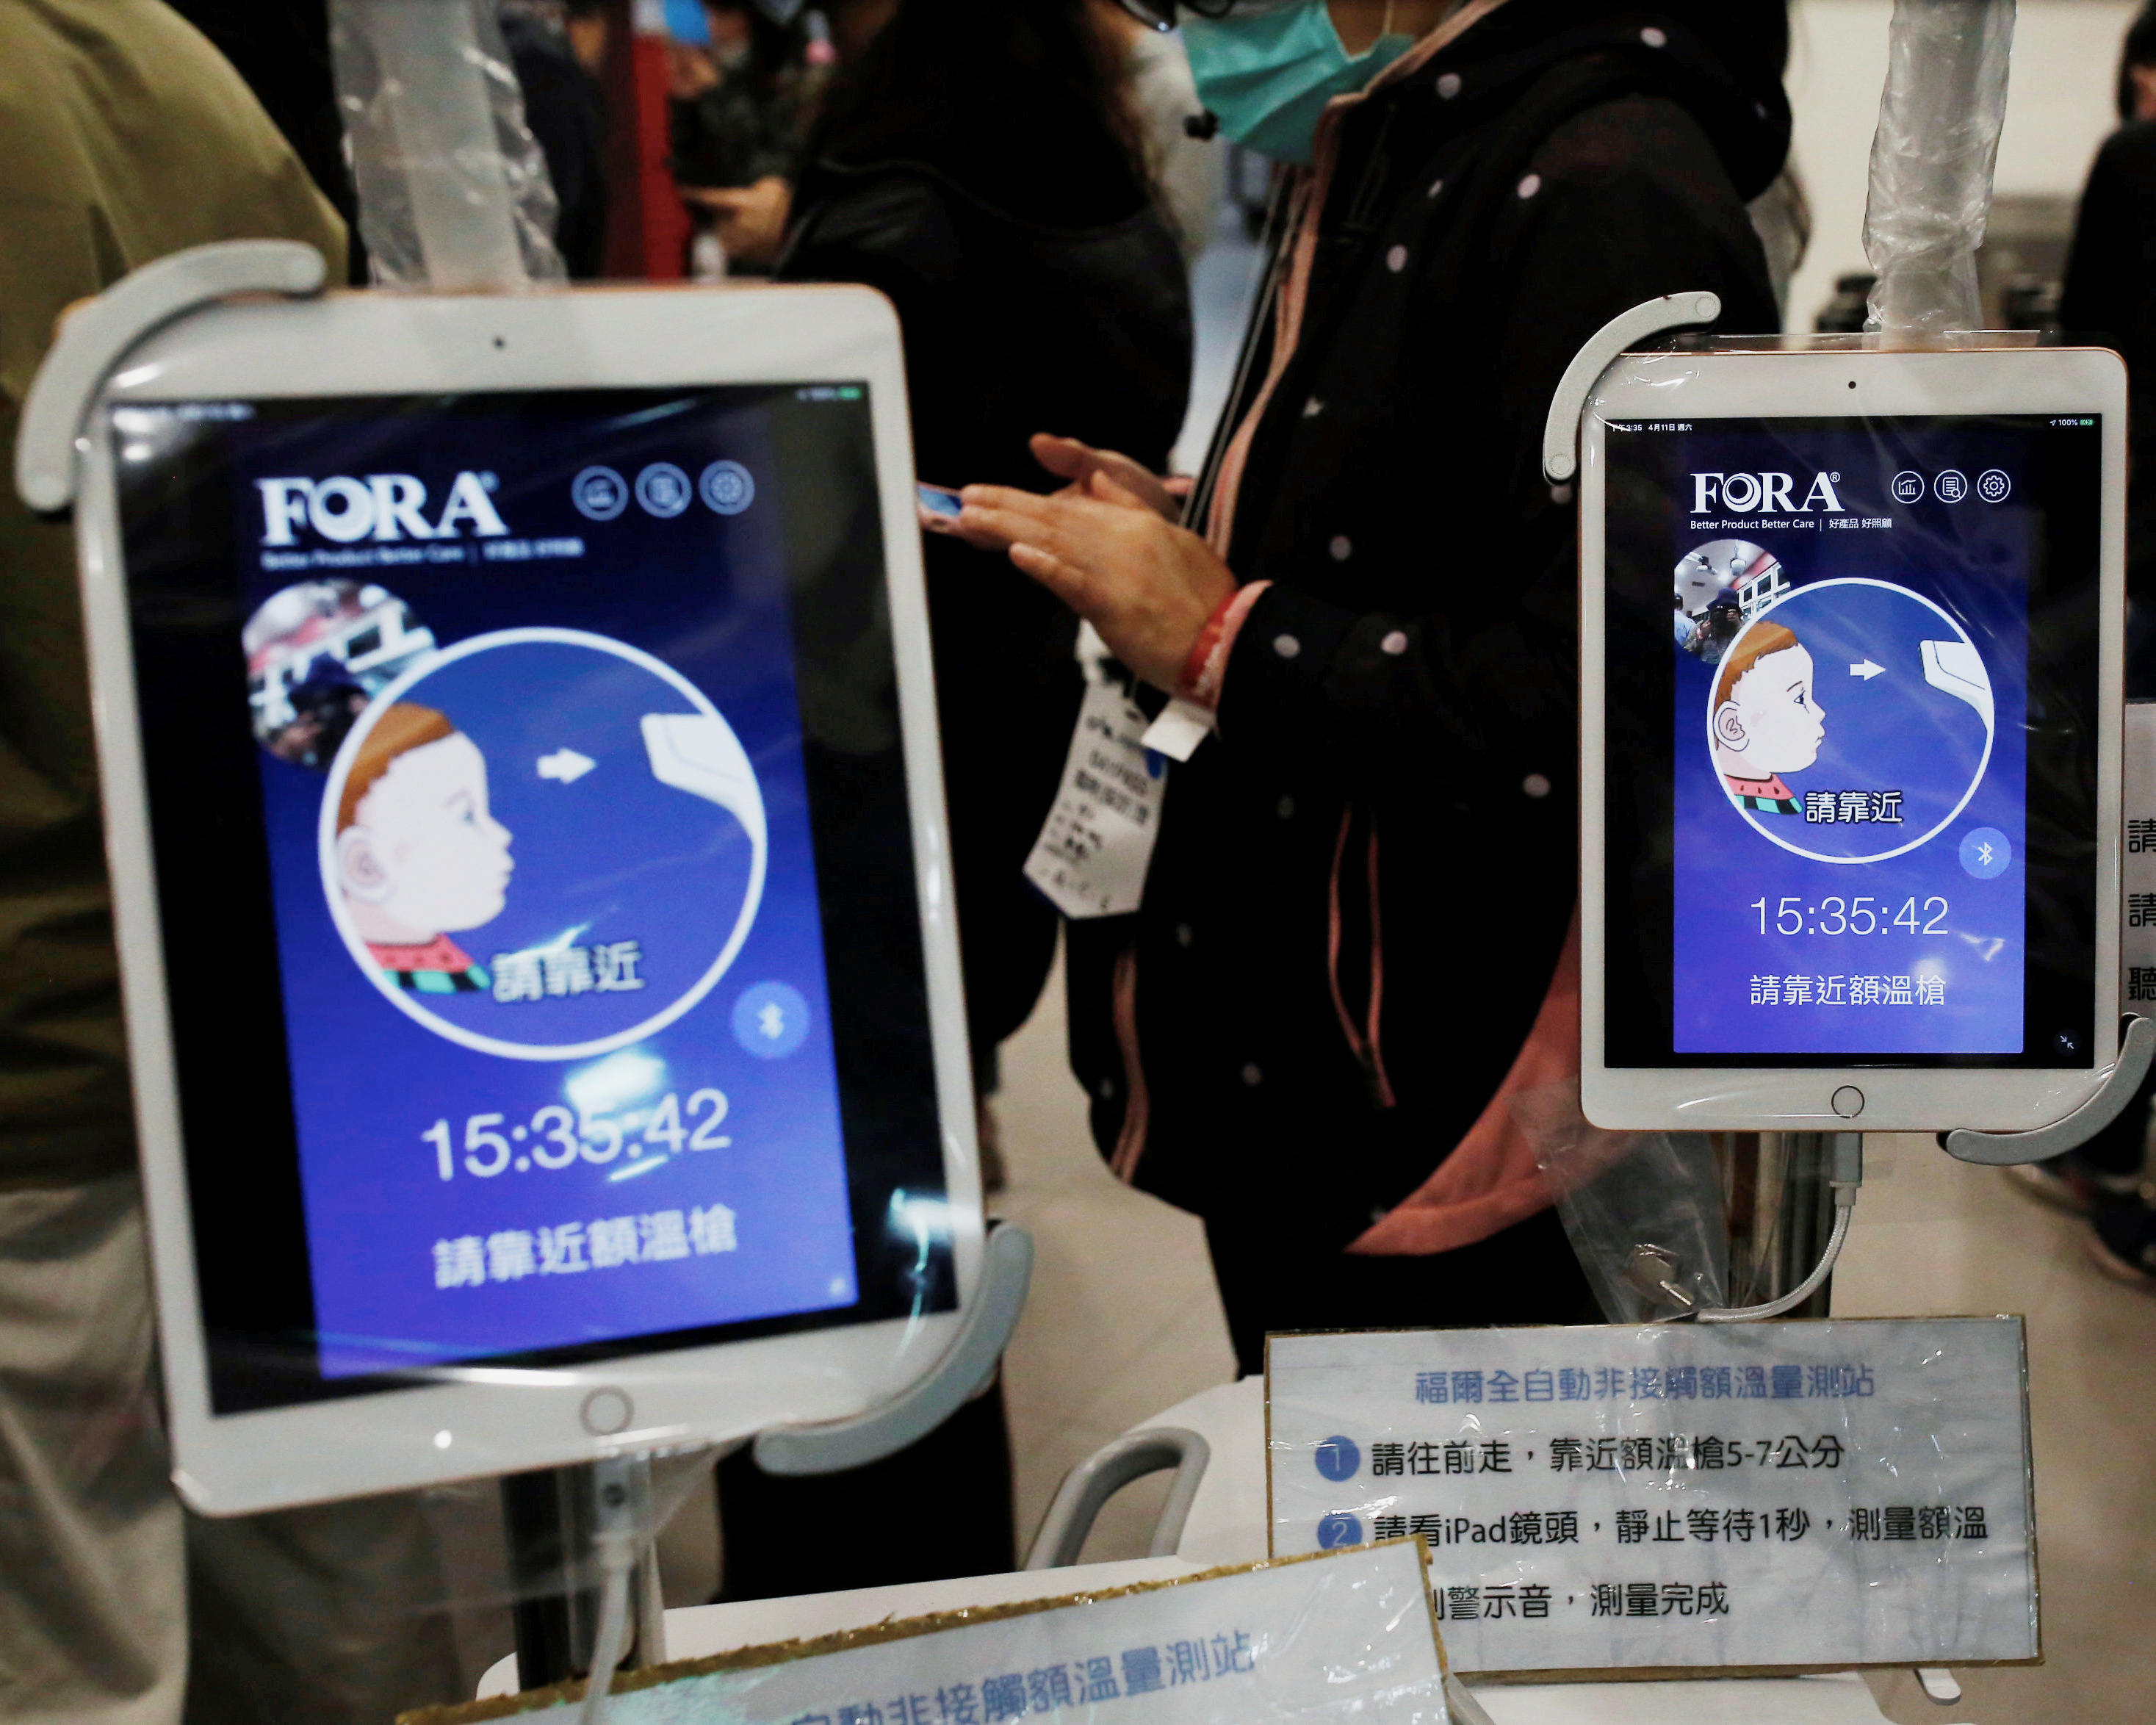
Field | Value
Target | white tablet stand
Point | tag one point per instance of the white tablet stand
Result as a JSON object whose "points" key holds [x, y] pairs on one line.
{"points": [[1653, 1269], [602, 1500]]}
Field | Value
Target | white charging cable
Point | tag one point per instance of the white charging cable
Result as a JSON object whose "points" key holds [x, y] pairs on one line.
{"points": [[614, 1541], [1847, 1179]]}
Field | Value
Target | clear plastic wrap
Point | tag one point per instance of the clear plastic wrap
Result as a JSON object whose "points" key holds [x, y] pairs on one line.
{"points": [[1346, 1635], [1642, 1210], [1669, 1498], [453, 192], [1940, 117]]}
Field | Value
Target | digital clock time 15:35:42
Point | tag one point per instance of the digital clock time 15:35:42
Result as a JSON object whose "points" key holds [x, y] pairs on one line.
{"points": [[1853, 916], [555, 1138]]}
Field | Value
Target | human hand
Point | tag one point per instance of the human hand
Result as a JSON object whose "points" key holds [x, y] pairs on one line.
{"points": [[1068, 459], [749, 220], [690, 71], [1149, 586]]}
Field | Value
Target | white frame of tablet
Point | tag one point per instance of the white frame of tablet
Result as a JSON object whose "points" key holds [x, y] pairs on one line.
{"points": [[390, 345], [1784, 385]]}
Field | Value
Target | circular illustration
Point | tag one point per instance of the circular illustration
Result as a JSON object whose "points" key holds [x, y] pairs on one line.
{"points": [[317, 651], [475, 843], [1719, 585], [1872, 699]]}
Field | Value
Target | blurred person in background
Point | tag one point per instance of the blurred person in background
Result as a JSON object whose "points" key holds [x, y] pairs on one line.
{"points": [[980, 164], [2110, 296], [977, 161], [566, 108], [1182, 152], [1357, 948], [741, 102], [281, 48], [128, 137]]}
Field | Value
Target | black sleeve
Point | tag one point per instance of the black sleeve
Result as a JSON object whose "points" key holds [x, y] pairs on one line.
{"points": [[568, 127], [1632, 204], [891, 233], [2104, 270]]}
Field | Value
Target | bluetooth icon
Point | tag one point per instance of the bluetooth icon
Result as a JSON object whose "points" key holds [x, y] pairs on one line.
{"points": [[1985, 853], [770, 1020]]}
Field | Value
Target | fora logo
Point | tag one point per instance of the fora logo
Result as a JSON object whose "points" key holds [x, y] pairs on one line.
{"points": [[383, 507], [1765, 493]]}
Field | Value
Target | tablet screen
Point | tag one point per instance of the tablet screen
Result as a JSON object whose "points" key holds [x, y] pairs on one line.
{"points": [[1855, 819], [499, 750]]}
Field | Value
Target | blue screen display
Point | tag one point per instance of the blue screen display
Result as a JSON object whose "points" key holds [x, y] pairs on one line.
{"points": [[1851, 809], [554, 983], [1849, 666], [527, 710], [1851, 760]]}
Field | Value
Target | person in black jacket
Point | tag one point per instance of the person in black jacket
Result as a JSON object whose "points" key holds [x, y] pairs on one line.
{"points": [[1360, 900], [566, 110], [978, 165], [975, 164]]}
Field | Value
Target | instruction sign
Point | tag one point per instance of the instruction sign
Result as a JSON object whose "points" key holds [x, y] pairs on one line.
{"points": [[1756, 1495], [1345, 1636], [2136, 952]]}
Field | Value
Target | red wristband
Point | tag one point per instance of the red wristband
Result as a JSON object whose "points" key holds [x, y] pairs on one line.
{"points": [[1206, 667]]}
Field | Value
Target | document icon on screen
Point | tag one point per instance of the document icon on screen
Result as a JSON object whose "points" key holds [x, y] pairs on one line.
{"points": [[699, 753]]}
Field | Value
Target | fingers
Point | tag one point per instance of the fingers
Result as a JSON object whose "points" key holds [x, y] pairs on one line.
{"points": [[1067, 457], [1064, 457], [1108, 491], [967, 533], [1052, 572], [1008, 500], [997, 528]]}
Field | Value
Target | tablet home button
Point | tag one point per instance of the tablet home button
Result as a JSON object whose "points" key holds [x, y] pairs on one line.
{"points": [[1848, 1102], [608, 1411]]}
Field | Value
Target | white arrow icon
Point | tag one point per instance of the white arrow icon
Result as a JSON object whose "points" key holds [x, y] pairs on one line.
{"points": [[1865, 668], [565, 764]]}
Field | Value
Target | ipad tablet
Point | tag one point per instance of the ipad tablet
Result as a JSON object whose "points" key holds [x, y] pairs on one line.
{"points": [[520, 772], [1852, 627]]}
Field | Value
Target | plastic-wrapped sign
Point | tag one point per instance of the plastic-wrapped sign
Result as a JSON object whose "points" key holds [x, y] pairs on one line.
{"points": [[1767, 1496], [2136, 948], [1348, 1637]]}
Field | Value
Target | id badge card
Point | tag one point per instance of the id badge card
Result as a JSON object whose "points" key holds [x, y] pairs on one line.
{"points": [[1094, 850]]}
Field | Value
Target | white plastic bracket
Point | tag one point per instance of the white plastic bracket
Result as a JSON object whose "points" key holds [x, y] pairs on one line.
{"points": [[1938, 1684], [963, 1373], [2137, 1046], [1561, 430], [97, 335]]}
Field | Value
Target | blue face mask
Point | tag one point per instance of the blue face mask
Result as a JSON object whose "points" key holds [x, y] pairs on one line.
{"points": [[1267, 76]]}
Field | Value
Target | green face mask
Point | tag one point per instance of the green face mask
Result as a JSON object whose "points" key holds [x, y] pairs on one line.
{"points": [[1268, 75]]}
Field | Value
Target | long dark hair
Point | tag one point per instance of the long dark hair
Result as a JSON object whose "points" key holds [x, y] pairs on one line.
{"points": [[1015, 100], [2139, 50]]}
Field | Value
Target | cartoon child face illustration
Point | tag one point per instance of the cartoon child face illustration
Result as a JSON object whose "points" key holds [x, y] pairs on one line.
{"points": [[1767, 720], [418, 856]]}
